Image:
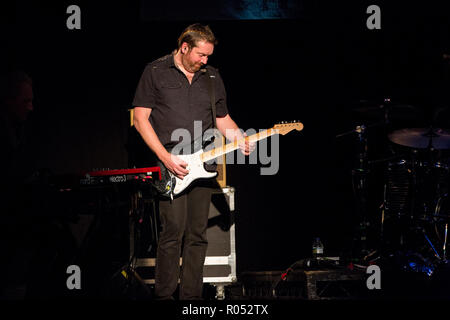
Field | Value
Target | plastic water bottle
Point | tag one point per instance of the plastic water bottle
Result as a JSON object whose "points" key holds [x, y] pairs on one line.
{"points": [[317, 248]]}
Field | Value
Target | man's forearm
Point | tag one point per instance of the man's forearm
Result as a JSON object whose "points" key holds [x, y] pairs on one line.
{"points": [[229, 128], [149, 136]]}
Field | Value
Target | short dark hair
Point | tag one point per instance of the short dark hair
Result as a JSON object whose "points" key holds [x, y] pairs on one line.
{"points": [[196, 32]]}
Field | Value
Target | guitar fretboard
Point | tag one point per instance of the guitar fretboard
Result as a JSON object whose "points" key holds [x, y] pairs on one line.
{"points": [[217, 152]]}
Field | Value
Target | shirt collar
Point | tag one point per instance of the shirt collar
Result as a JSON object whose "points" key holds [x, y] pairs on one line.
{"points": [[172, 61], [171, 64]]}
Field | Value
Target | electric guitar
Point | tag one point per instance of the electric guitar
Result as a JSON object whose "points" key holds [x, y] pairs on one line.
{"points": [[170, 185]]}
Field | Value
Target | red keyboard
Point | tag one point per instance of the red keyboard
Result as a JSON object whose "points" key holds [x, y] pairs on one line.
{"points": [[121, 175]]}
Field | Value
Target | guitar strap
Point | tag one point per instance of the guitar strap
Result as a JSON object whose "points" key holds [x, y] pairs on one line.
{"points": [[212, 95]]}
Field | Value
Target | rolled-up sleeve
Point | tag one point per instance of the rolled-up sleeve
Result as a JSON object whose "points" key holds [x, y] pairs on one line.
{"points": [[221, 97], [145, 91]]}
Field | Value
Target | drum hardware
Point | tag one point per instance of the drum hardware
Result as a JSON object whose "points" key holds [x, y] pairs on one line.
{"points": [[383, 210], [360, 190], [440, 217], [413, 192], [384, 160], [431, 245], [421, 181], [360, 129], [444, 247], [361, 171], [359, 184]]}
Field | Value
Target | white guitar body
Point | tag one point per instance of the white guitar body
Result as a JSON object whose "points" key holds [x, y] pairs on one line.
{"points": [[196, 171]]}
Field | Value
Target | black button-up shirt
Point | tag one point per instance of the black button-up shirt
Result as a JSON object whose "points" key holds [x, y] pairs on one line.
{"points": [[175, 102]]}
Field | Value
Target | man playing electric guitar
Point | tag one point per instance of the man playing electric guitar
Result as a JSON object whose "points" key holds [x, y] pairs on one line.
{"points": [[173, 92]]}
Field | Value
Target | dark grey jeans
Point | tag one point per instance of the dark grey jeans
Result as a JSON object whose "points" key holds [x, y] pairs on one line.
{"points": [[184, 222]]}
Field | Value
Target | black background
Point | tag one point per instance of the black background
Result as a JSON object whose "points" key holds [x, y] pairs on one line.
{"points": [[314, 68]]}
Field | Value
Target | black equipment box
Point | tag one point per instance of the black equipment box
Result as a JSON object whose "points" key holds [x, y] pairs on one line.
{"points": [[220, 262]]}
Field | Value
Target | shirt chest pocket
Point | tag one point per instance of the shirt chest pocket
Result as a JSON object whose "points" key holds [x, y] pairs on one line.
{"points": [[170, 84], [171, 93]]}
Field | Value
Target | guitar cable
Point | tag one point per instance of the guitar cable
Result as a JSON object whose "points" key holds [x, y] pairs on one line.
{"points": [[283, 277]]}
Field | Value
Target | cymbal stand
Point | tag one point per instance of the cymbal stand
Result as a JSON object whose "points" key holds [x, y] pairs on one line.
{"points": [[430, 172], [360, 190], [414, 191], [444, 247], [437, 215], [436, 254]]}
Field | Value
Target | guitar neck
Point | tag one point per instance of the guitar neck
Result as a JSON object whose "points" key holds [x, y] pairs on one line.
{"points": [[217, 152]]}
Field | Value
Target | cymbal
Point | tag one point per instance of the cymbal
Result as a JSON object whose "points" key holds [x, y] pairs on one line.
{"points": [[421, 138], [394, 113]]}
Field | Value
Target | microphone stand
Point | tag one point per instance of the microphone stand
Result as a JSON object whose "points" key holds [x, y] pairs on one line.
{"points": [[360, 190]]}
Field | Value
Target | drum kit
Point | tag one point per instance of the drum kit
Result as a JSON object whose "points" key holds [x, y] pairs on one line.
{"points": [[413, 173]]}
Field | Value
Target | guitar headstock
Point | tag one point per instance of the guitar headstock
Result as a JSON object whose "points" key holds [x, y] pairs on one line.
{"points": [[285, 127]]}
